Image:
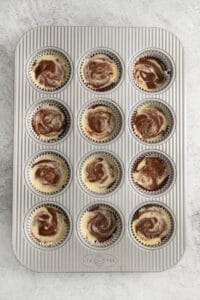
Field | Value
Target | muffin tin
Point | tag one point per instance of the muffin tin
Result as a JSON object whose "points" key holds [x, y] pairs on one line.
{"points": [[124, 45]]}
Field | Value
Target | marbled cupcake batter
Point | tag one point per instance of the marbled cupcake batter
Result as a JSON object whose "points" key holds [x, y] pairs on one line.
{"points": [[99, 173], [98, 224], [151, 225], [48, 225], [48, 122], [99, 122], [150, 123], [151, 173], [100, 72], [150, 73], [50, 71], [49, 173]]}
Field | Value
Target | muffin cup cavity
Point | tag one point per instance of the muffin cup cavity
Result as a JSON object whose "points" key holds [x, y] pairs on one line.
{"points": [[108, 107], [50, 166], [88, 239], [101, 83], [46, 242], [157, 243], [100, 161], [160, 59], [57, 63], [61, 120], [165, 110], [167, 182]]}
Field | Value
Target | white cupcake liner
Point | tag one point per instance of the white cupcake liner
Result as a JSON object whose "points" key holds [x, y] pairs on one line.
{"points": [[171, 179], [49, 51], [117, 182], [42, 245], [117, 113], [115, 237], [161, 55], [31, 162], [51, 103], [167, 112], [112, 55], [164, 242]]}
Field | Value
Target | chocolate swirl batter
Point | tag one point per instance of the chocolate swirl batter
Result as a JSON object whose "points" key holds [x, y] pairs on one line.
{"points": [[47, 221], [48, 172], [150, 122], [151, 173], [100, 122], [101, 224], [49, 122], [152, 222], [150, 73], [49, 72], [97, 172], [98, 72]]}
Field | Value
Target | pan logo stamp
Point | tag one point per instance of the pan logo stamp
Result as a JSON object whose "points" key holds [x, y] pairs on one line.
{"points": [[99, 260]]}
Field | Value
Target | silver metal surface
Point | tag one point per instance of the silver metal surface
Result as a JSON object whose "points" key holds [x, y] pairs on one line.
{"points": [[74, 256]]}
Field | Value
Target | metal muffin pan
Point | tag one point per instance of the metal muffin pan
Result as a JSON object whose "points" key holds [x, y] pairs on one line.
{"points": [[74, 255]]}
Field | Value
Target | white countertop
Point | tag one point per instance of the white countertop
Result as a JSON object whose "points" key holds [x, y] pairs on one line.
{"points": [[182, 18]]}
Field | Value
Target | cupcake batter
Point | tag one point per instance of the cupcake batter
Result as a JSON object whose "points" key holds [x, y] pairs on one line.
{"points": [[50, 71], [49, 173], [151, 225], [150, 123], [48, 226], [100, 173], [48, 122], [150, 73], [98, 225], [151, 173], [100, 72], [99, 122]]}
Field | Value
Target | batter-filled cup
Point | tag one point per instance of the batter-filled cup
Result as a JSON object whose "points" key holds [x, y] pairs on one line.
{"points": [[47, 225], [100, 225], [151, 173], [151, 121], [152, 225], [100, 70], [48, 173], [100, 173], [100, 121], [49, 70], [151, 70], [49, 121]]}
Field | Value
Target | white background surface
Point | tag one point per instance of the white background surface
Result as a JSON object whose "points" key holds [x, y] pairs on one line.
{"points": [[182, 17]]}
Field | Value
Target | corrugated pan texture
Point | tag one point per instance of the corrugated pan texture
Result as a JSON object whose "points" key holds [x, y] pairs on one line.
{"points": [[74, 256]]}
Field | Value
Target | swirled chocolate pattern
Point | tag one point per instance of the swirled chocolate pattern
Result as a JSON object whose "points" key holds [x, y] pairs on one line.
{"points": [[100, 72], [99, 173], [49, 173], [99, 122], [150, 73], [151, 173], [48, 225], [151, 225], [48, 122], [50, 71], [99, 224], [150, 123]]}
